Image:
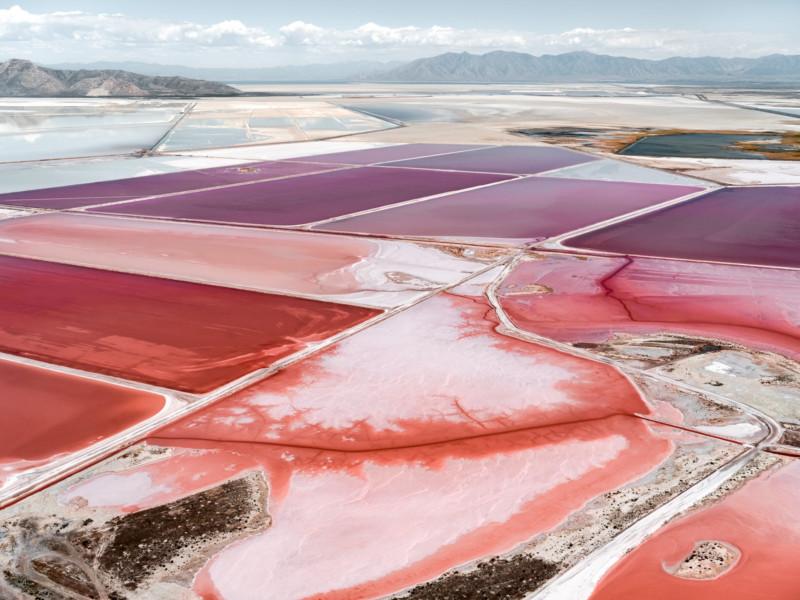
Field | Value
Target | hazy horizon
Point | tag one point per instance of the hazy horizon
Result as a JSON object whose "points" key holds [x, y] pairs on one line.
{"points": [[320, 63], [241, 33]]}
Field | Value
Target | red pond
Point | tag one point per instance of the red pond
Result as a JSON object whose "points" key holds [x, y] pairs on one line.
{"points": [[46, 413], [180, 335]]}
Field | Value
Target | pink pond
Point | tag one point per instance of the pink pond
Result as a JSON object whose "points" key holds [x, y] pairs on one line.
{"points": [[586, 299], [174, 334], [426, 375], [300, 200], [528, 209], [330, 267], [517, 160], [47, 413], [87, 194], [760, 520], [369, 446], [390, 512], [286, 261], [371, 156], [748, 225]]}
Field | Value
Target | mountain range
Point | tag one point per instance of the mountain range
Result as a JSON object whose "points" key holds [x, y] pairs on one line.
{"points": [[580, 67], [24, 78], [341, 71]]}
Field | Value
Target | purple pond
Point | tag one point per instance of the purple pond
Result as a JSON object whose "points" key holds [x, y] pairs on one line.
{"points": [[300, 200], [528, 209], [517, 160], [748, 225], [87, 194]]}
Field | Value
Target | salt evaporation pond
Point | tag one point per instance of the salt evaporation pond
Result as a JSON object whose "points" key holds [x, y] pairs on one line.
{"points": [[703, 145], [409, 113]]}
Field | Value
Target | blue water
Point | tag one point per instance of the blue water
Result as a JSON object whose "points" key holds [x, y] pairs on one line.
{"points": [[699, 145]]}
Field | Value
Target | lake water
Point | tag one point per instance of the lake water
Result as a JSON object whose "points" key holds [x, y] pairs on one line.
{"points": [[701, 145]]}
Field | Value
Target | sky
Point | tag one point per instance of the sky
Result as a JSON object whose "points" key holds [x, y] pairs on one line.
{"points": [[264, 33]]}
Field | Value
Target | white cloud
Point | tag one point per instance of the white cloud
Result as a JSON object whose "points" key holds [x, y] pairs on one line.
{"points": [[663, 43], [80, 36], [112, 30], [372, 35]]}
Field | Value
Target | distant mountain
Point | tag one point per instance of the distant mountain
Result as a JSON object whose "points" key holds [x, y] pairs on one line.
{"points": [[494, 67], [24, 78], [517, 67], [341, 71]]}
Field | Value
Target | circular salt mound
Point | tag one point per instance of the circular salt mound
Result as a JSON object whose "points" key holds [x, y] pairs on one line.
{"points": [[707, 560]]}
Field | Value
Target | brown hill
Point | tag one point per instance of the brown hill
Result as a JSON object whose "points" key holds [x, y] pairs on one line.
{"points": [[24, 78]]}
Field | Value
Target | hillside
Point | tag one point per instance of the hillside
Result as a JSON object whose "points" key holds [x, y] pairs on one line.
{"points": [[337, 71], [516, 67], [24, 78]]}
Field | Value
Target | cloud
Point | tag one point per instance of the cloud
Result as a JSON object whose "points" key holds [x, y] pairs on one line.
{"points": [[82, 36], [372, 35], [663, 43], [111, 30]]}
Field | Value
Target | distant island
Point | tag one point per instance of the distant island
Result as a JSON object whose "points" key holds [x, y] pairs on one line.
{"points": [[22, 78]]}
